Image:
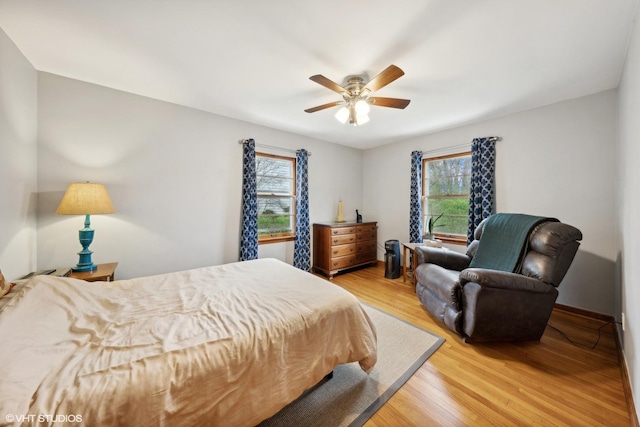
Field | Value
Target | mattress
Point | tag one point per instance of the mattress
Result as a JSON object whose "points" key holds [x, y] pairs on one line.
{"points": [[225, 345]]}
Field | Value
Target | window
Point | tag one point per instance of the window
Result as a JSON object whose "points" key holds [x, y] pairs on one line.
{"points": [[276, 186], [445, 191]]}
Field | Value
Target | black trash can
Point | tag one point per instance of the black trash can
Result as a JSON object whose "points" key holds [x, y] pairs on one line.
{"points": [[392, 259]]}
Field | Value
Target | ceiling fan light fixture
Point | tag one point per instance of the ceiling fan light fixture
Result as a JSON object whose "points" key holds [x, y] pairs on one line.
{"points": [[355, 118], [342, 115], [356, 99], [362, 107], [361, 119], [351, 115]]}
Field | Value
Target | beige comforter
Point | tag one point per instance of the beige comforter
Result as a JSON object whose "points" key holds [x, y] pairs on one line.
{"points": [[226, 345]]}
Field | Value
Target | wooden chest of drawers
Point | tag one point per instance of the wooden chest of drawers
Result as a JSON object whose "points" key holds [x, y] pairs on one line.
{"points": [[340, 246]]}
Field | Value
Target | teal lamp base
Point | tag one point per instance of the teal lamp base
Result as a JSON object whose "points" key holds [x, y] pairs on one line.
{"points": [[80, 268], [86, 237]]}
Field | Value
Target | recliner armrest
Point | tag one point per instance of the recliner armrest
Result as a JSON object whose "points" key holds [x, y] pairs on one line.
{"points": [[503, 280], [451, 260]]}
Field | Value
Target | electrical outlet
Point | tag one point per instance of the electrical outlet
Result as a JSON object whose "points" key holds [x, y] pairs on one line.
{"points": [[623, 322]]}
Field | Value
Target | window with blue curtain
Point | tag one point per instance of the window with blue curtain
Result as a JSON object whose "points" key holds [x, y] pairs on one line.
{"points": [[274, 204]]}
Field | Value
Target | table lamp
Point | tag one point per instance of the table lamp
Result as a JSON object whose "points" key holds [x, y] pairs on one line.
{"points": [[85, 198]]}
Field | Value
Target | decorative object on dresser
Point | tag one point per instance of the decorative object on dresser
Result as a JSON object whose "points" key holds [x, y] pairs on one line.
{"points": [[341, 246], [340, 217], [85, 198]]}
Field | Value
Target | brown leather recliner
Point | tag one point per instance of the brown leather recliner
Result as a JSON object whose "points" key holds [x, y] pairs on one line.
{"points": [[491, 305]]}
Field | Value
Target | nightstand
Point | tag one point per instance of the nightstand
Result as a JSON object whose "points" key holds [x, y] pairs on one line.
{"points": [[104, 273]]}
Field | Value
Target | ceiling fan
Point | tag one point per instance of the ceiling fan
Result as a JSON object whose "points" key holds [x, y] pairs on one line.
{"points": [[356, 95]]}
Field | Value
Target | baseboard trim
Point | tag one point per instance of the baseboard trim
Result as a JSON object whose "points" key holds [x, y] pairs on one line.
{"points": [[582, 312], [626, 383]]}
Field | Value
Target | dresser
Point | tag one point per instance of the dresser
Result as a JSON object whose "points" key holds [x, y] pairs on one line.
{"points": [[339, 246]]}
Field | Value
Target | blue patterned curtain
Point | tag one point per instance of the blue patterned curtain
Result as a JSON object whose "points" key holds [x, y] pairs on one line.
{"points": [[249, 226], [415, 207], [302, 244], [483, 166]]}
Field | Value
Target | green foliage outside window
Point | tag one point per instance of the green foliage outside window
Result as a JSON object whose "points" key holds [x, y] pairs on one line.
{"points": [[271, 223], [455, 215]]}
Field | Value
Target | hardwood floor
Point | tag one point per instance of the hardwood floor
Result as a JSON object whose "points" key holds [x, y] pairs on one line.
{"points": [[550, 382]]}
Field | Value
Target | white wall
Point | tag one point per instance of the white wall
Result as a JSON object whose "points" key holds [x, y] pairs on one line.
{"points": [[628, 201], [557, 161], [174, 175], [18, 160]]}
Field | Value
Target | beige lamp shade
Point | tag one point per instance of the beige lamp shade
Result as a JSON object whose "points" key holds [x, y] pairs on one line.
{"points": [[85, 198]]}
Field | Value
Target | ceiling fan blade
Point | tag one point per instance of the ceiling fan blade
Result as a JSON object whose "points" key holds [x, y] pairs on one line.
{"points": [[389, 102], [389, 74], [323, 106], [322, 80]]}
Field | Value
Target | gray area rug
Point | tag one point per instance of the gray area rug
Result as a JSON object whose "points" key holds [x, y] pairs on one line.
{"points": [[351, 397]]}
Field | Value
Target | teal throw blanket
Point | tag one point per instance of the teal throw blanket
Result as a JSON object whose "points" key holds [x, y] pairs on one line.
{"points": [[504, 240]]}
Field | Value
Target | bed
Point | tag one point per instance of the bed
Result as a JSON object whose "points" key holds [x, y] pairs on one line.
{"points": [[225, 345]]}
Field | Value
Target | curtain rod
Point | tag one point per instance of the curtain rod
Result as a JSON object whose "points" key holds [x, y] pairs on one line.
{"points": [[453, 147], [244, 141]]}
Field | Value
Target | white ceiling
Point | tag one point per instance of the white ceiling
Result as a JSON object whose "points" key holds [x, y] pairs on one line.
{"points": [[464, 60]]}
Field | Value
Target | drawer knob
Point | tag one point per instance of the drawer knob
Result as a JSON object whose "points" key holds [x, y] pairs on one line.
{"points": [[335, 252], [335, 241]]}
